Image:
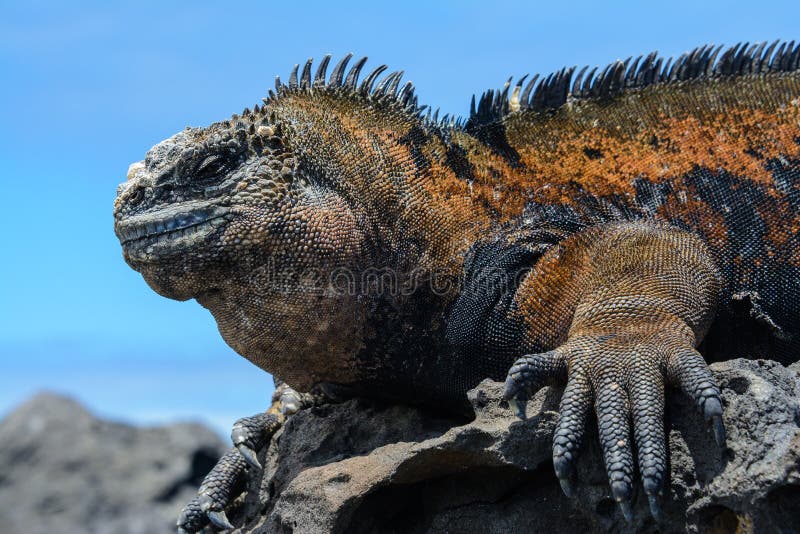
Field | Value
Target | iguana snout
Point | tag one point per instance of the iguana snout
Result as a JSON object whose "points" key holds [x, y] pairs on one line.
{"points": [[169, 230]]}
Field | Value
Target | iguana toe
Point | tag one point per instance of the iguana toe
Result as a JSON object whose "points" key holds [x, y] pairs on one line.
{"points": [[613, 424], [576, 402], [530, 373], [192, 517], [688, 371], [223, 483], [646, 392]]}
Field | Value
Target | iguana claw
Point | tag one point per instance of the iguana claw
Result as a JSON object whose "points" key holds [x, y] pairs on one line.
{"points": [[518, 407], [627, 512], [719, 431], [220, 520], [567, 486], [242, 439], [712, 411], [249, 434], [217, 517], [249, 455], [655, 507]]}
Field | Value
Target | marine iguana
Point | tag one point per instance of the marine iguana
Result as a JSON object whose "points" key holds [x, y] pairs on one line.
{"points": [[600, 231]]}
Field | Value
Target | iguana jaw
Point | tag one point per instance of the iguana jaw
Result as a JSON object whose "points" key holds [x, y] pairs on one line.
{"points": [[163, 233]]}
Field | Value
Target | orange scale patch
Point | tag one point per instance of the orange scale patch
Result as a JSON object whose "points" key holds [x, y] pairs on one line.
{"points": [[701, 216], [604, 162]]}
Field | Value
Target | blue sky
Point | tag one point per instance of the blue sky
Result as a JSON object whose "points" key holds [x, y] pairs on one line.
{"points": [[88, 87]]}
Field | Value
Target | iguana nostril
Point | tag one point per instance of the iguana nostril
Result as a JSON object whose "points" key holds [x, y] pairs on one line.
{"points": [[121, 188]]}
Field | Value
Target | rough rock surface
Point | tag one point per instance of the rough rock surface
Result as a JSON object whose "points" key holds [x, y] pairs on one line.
{"points": [[366, 467], [64, 470]]}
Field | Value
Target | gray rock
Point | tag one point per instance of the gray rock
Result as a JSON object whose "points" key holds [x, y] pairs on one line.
{"points": [[63, 470], [367, 467]]}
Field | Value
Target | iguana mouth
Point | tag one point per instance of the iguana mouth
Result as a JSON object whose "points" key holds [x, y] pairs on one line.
{"points": [[181, 224]]}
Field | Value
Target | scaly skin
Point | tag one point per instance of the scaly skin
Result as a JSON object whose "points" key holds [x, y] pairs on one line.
{"points": [[349, 245]]}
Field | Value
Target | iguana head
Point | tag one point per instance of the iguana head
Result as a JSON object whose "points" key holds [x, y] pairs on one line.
{"points": [[326, 177], [257, 186], [209, 201]]}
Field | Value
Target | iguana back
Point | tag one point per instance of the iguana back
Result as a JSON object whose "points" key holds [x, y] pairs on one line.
{"points": [[711, 144]]}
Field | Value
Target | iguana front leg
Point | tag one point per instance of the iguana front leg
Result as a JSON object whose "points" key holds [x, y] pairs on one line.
{"points": [[227, 478], [635, 299]]}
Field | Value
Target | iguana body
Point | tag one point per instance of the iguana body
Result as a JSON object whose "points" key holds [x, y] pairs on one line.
{"points": [[343, 241]]}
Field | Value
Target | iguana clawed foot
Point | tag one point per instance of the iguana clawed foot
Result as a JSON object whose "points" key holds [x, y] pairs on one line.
{"points": [[219, 487], [623, 375], [227, 478]]}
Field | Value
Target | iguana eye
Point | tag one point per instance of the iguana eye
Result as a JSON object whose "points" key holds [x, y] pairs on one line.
{"points": [[211, 166]]}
